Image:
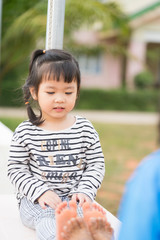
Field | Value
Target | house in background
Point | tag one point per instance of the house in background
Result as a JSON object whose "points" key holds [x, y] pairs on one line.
{"points": [[108, 71], [144, 44]]}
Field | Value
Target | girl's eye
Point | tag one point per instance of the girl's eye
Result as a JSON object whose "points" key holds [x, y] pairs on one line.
{"points": [[50, 93], [68, 93]]}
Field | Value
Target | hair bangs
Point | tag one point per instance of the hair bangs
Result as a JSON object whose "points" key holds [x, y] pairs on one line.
{"points": [[55, 70]]}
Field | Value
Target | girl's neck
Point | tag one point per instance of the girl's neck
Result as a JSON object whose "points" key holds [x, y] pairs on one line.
{"points": [[58, 124]]}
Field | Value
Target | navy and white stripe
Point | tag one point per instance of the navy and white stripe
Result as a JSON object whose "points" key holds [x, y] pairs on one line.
{"points": [[68, 161]]}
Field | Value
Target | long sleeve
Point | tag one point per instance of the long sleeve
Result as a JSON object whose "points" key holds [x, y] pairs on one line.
{"points": [[94, 169], [20, 175]]}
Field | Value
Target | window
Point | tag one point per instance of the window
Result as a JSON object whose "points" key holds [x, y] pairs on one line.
{"points": [[90, 64]]}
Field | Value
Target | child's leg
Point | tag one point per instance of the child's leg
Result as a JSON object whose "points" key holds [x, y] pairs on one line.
{"points": [[43, 221], [46, 229]]}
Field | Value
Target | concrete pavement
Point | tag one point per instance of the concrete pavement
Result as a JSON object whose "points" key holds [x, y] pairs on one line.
{"points": [[97, 116]]}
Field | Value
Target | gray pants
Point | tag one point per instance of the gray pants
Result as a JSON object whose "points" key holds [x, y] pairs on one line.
{"points": [[43, 221]]}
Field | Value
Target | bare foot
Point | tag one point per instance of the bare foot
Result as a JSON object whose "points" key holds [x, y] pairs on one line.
{"points": [[76, 229], [100, 229], [92, 210], [63, 215]]}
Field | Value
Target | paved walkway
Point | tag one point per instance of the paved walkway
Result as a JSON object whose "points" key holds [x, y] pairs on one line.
{"points": [[98, 116]]}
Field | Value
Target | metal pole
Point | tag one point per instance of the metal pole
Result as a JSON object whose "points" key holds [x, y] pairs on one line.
{"points": [[55, 24], [0, 28]]}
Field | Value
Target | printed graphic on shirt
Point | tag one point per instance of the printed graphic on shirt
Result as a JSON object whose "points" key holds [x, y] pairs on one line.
{"points": [[59, 159]]}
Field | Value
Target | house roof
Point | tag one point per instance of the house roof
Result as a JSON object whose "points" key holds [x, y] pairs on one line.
{"points": [[139, 18], [146, 15], [145, 10]]}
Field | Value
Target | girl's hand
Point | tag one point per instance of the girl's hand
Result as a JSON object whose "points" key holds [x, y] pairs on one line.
{"points": [[49, 198], [81, 198]]}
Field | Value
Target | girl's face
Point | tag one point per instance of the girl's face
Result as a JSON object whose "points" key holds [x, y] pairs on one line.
{"points": [[56, 98]]}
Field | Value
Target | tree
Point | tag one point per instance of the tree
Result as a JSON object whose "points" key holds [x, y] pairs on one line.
{"points": [[22, 34], [24, 26]]}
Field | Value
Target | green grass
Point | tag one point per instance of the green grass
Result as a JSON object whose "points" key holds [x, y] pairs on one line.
{"points": [[11, 123], [123, 146]]}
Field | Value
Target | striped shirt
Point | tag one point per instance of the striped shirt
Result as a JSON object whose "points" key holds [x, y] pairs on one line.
{"points": [[67, 161]]}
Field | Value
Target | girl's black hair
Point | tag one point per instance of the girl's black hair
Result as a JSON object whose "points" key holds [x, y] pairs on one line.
{"points": [[55, 63]]}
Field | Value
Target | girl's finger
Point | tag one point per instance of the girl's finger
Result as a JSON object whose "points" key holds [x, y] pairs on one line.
{"points": [[74, 198], [81, 201], [42, 204]]}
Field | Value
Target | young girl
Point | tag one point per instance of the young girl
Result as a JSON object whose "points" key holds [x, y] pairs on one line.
{"points": [[54, 156]]}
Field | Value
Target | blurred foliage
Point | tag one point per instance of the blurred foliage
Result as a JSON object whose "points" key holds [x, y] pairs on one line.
{"points": [[20, 34], [13, 9], [24, 29], [153, 62], [108, 16], [140, 100], [144, 80]]}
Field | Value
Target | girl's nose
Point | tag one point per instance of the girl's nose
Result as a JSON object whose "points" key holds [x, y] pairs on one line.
{"points": [[59, 98]]}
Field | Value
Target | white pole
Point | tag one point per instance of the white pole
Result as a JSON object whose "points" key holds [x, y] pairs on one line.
{"points": [[55, 24]]}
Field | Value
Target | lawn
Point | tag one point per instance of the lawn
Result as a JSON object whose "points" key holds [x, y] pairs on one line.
{"points": [[123, 146]]}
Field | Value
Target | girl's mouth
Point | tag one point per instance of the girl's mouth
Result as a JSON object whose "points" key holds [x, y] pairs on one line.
{"points": [[58, 109]]}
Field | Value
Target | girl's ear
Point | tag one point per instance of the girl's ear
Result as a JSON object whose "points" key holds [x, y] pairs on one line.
{"points": [[33, 93]]}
